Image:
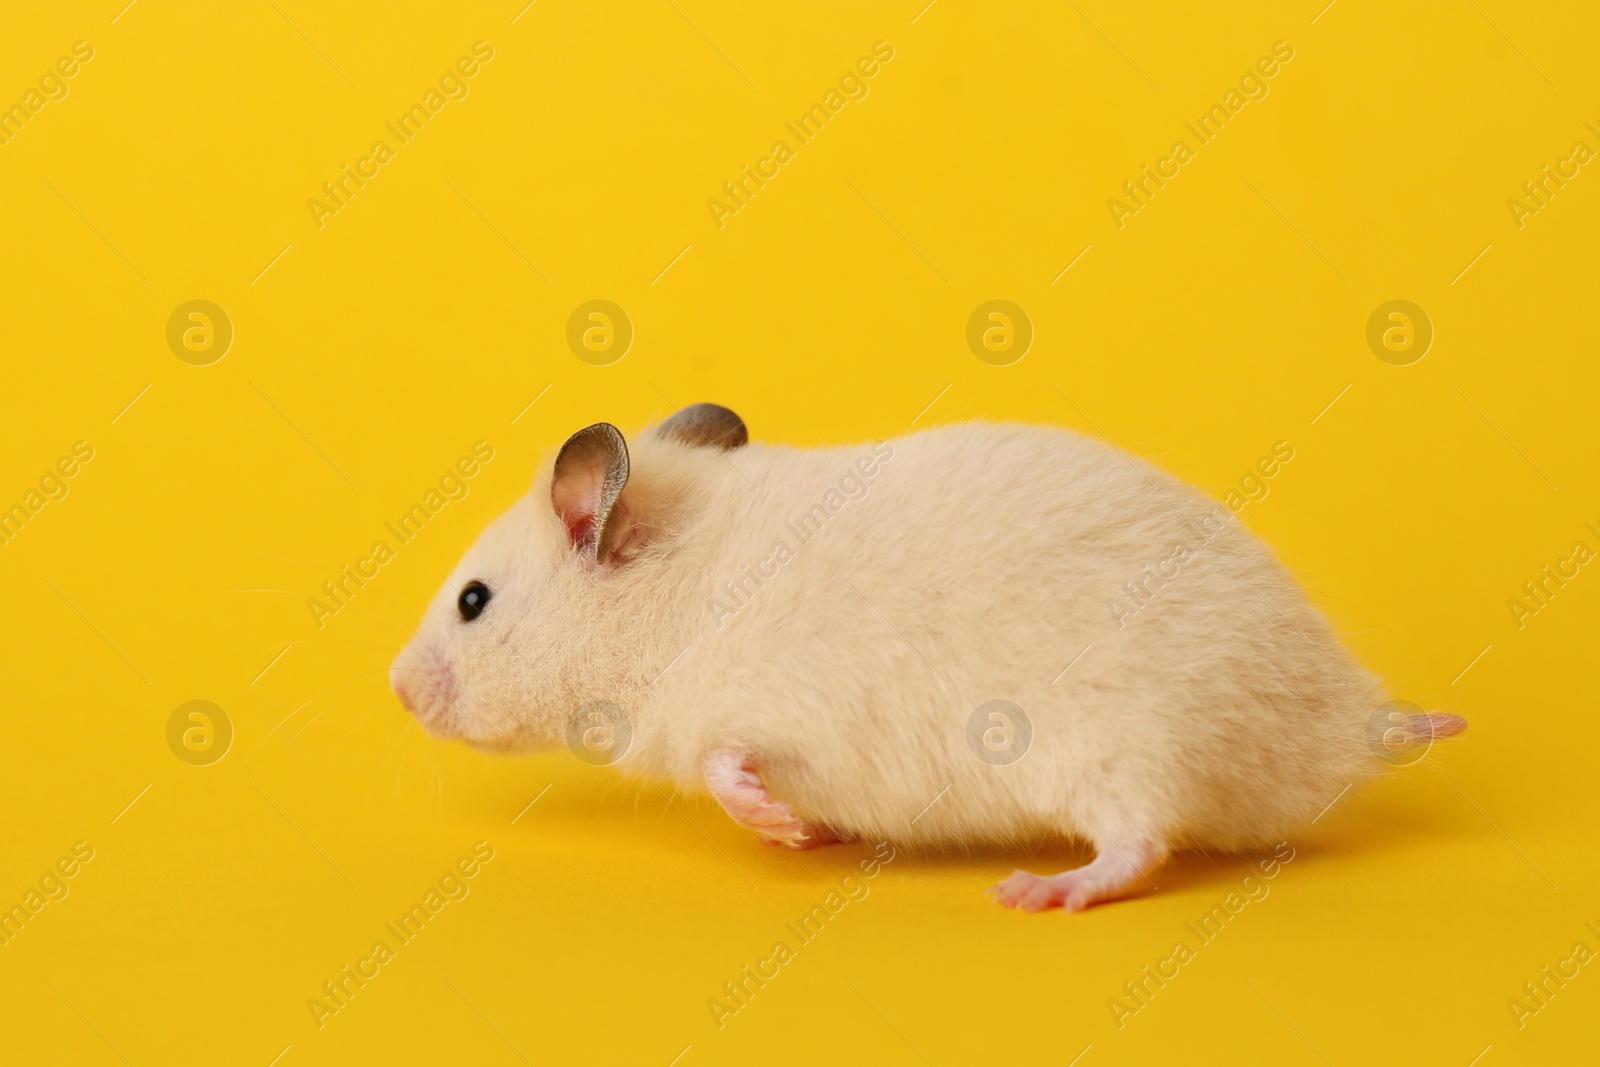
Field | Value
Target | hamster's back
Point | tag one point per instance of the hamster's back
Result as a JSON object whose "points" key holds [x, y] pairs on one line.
{"points": [[1174, 676]]}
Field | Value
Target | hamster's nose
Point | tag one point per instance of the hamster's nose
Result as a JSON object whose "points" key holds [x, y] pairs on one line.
{"points": [[424, 680], [399, 681]]}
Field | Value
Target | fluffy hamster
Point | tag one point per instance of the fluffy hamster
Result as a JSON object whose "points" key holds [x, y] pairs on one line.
{"points": [[818, 637]]}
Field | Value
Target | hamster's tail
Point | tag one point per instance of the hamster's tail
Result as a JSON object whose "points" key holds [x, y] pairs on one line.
{"points": [[1434, 726]]}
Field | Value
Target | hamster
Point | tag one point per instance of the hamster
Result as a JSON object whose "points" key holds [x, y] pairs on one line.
{"points": [[976, 633]]}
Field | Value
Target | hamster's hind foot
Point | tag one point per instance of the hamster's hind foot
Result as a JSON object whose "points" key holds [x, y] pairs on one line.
{"points": [[1115, 872]]}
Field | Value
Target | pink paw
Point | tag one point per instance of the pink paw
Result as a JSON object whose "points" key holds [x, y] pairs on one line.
{"points": [[733, 779], [1114, 872], [801, 835], [1036, 892]]}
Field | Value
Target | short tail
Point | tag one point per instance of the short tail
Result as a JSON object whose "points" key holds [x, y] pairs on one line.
{"points": [[1434, 726]]}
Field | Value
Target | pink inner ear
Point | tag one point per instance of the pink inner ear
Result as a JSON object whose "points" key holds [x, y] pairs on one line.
{"points": [[580, 531], [575, 497]]}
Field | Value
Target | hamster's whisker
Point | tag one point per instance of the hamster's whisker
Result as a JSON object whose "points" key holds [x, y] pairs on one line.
{"points": [[307, 726], [358, 674], [309, 700], [370, 713], [378, 771], [275, 729], [438, 777], [400, 768]]}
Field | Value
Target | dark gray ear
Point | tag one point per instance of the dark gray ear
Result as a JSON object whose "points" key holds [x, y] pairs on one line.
{"points": [[705, 424], [590, 472]]}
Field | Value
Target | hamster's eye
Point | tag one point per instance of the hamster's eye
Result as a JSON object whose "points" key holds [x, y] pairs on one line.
{"points": [[474, 597]]}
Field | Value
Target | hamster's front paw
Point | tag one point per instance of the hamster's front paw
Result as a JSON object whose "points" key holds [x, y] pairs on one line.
{"points": [[811, 835], [734, 778]]}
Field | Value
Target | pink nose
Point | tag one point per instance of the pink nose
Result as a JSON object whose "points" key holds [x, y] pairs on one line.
{"points": [[399, 679], [425, 683]]}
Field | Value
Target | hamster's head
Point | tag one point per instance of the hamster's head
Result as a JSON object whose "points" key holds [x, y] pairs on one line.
{"points": [[544, 611]]}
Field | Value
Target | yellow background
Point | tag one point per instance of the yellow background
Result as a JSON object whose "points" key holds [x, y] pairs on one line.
{"points": [[427, 314]]}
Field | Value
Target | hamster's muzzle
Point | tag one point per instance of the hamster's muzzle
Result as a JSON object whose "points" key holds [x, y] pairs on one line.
{"points": [[425, 684]]}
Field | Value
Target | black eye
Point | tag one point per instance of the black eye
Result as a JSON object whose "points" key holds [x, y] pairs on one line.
{"points": [[474, 597]]}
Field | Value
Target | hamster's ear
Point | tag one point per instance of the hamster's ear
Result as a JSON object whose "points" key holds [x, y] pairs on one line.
{"points": [[590, 472], [705, 424]]}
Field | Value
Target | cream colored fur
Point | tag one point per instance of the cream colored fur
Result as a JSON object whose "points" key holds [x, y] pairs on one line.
{"points": [[976, 566]]}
